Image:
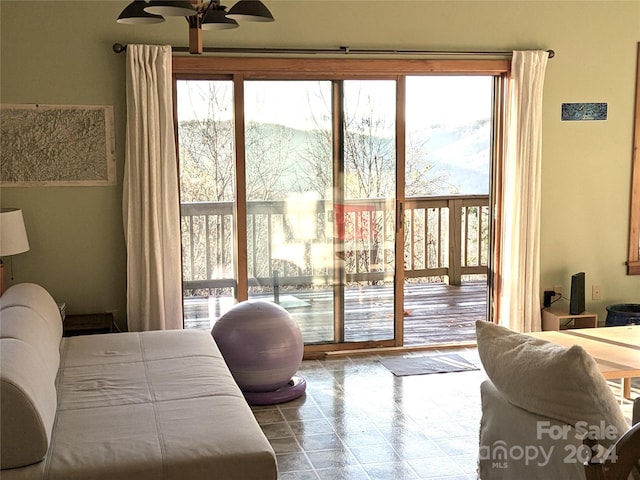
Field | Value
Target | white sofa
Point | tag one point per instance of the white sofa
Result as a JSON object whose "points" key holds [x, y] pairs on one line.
{"points": [[152, 405], [539, 400]]}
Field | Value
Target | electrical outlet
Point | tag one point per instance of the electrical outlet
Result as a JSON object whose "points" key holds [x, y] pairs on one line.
{"points": [[596, 292], [558, 289]]}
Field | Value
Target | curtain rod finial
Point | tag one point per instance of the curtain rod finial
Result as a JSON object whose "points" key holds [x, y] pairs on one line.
{"points": [[551, 53], [119, 48]]}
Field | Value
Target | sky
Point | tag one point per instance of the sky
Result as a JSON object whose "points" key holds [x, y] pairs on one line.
{"points": [[431, 100]]}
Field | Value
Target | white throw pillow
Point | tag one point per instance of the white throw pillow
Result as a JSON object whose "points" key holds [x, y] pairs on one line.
{"points": [[547, 379]]}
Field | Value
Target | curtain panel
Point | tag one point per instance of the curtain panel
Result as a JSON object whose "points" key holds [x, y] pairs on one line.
{"points": [[518, 262], [151, 206]]}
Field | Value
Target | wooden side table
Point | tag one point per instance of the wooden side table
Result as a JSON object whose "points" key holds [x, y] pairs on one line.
{"points": [[559, 318], [88, 324]]}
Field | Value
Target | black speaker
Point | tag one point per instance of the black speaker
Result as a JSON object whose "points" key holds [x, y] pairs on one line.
{"points": [[577, 301]]}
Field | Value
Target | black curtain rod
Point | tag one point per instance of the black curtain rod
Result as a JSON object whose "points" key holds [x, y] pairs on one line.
{"points": [[118, 48]]}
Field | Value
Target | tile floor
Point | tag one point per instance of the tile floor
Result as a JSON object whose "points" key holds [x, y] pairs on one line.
{"points": [[358, 421]]}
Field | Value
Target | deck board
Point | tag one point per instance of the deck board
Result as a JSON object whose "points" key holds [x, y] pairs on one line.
{"points": [[435, 313]]}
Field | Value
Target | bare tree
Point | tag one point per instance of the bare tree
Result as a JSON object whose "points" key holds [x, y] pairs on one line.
{"points": [[268, 152], [369, 163], [281, 160], [206, 145], [421, 178]]}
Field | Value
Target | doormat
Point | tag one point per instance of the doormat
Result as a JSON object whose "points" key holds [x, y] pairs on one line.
{"points": [[447, 363]]}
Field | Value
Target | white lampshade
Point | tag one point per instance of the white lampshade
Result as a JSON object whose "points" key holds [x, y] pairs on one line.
{"points": [[13, 236]]}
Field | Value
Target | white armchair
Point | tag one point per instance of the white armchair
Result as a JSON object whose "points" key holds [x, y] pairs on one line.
{"points": [[546, 411]]}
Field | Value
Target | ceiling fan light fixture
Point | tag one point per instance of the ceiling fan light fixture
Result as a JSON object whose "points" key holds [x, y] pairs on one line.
{"points": [[200, 15]]}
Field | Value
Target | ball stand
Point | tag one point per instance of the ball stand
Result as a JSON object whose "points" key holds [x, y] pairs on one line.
{"points": [[292, 390]]}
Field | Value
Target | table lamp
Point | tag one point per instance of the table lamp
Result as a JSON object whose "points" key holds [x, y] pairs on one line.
{"points": [[13, 237]]}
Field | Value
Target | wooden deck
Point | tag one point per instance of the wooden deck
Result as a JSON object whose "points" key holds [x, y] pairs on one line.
{"points": [[435, 313]]}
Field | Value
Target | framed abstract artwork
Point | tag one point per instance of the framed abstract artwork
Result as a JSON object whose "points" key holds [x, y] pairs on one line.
{"points": [[56, 145]]}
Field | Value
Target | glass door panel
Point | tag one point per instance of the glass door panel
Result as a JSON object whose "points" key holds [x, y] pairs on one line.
{"points": [[320, 163], [447, 165], [207, 196], [367, 216], [289, 171]]}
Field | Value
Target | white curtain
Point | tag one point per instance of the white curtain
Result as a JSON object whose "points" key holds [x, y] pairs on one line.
{"points": [[151, 207], [518, 272]]}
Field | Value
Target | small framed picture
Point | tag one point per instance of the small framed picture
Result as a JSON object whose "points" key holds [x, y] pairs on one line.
{"points": [[584, 111]]}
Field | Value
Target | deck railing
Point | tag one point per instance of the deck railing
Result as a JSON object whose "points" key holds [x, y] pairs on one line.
{"points": [[444, 236]]}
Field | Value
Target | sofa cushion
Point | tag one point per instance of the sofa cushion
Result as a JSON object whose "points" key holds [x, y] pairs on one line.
{"points": [[23, 323], [547, 379], [132, 406], [27, 404], [35, 297]]}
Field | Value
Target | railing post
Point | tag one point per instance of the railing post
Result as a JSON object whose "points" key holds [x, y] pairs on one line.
{"points": [[455, 246], [276, 287]]}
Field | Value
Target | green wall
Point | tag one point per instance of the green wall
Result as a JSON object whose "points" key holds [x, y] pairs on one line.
{"points": [[59, 52]]}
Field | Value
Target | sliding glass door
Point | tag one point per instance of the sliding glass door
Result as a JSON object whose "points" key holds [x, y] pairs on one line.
{"points": [[340, 190], [367, 212], [207, 198], [289, 171], [446, 230], [320, 204]]}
